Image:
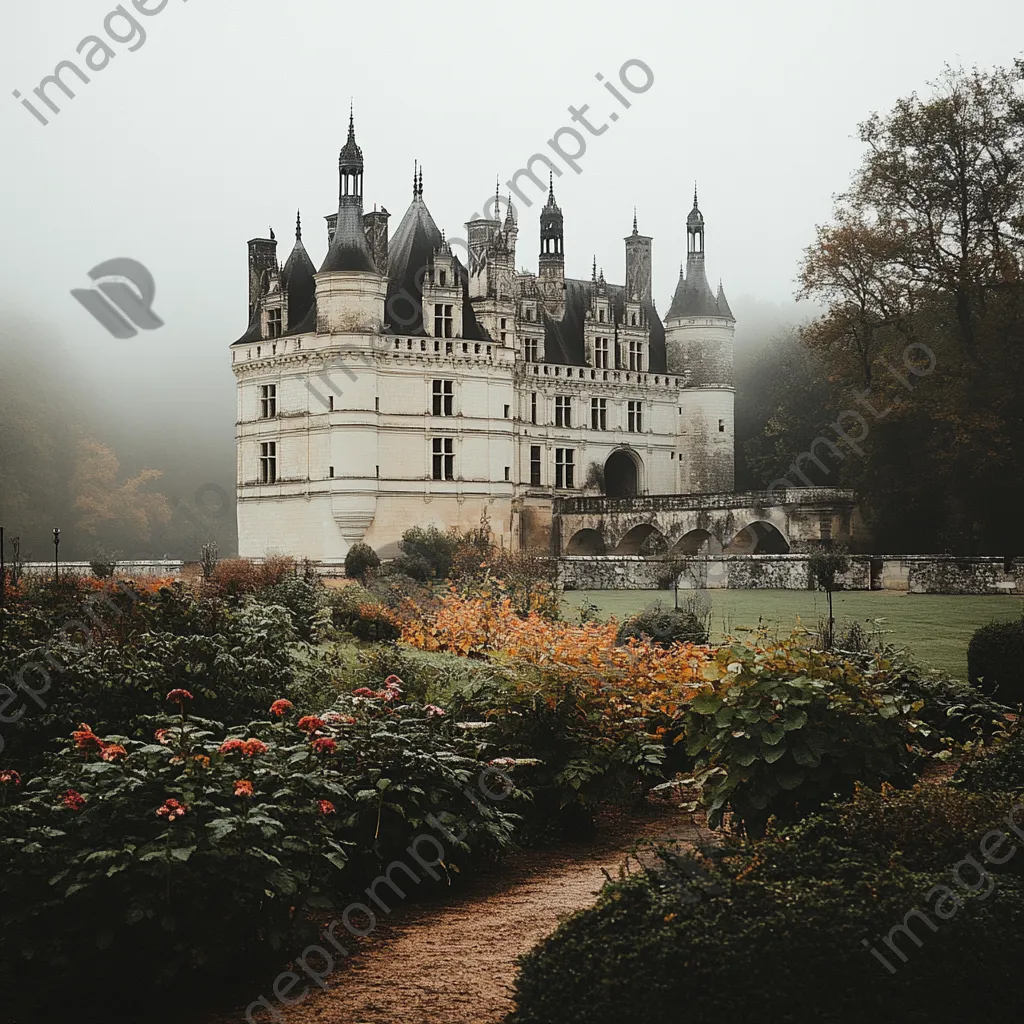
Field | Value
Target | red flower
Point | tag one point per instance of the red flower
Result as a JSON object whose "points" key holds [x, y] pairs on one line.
{"points": [[85, 739], [8, 776], [172, 810], [73, 800], [179, 696], [231, 745], [161, 736], [363, 691], [281, 707], [113, 752], [433, 711], [326, 807], [243, 787], [393, 683], [324, 745], [254, 747], [311, 724]]}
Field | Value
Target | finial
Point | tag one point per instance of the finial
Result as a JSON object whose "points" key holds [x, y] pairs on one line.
{"points": [[415, 171], [298, 226], [551, 187], [497, 198], [635, 231], [273, 237], [420, 187], [351, 121], [695, 194], [593, 272]]}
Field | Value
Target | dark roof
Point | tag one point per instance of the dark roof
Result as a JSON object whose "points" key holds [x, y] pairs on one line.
{"points": [[693, 295], [298, 280], [254, 332], [410, 252], [349, 250], [723, 303], [564, 339]]}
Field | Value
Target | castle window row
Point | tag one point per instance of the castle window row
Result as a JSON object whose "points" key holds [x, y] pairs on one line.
{"points": [[612, 376]]}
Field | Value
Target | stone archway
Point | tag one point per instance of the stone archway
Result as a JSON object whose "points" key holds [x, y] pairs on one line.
{"points": [[758, 538], [642, 540], [696, 542], [622, 474], [586, 542]]}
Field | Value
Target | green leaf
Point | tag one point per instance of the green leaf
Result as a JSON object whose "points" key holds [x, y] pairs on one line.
{"points": [[705, 703]]}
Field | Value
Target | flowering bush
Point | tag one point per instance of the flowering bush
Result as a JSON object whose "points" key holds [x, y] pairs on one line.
{"points": [[202, 852]]}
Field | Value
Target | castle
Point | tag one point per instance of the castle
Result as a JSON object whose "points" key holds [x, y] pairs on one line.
{"points": [[400, 385]]}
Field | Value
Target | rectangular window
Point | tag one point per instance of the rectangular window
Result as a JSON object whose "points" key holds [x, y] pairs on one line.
{"points": [[268, 401], [444, 277], [508, 472], [330, 402], [273, 323], [268, 462], [599, 414], [636, 355], [443, 397], [721, 426], [530, 350], [444, 458], [600, 315], [634, 417], [533, 406], [506, 411], [442, 320], [601, 353], [376, 405], [535, 465], [563, 411], [331, 472], [565, 468]]}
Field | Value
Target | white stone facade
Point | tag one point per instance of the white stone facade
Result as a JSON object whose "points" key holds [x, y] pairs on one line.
{"points": [[396, 387]]}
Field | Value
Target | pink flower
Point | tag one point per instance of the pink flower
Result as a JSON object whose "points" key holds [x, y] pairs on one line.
{"points": [[179, 696], [281, 707], [324, 745], [433, 711], [326, 807], [161, 737], [363, 691], [503, 762], [172, 810], [10, 777]]}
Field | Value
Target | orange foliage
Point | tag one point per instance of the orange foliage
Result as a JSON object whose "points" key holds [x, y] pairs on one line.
{"points": [[639, 676]]}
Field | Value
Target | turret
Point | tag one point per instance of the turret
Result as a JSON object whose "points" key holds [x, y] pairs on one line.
{"points": [[699, 332], [551, 276]]}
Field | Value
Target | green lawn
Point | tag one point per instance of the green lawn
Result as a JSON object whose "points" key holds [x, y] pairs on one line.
{"points": [[935, 628]]}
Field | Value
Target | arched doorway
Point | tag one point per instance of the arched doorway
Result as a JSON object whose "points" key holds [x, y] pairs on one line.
{"points": [[642, 540], [622, 474], [758, 538], [586, 542]]}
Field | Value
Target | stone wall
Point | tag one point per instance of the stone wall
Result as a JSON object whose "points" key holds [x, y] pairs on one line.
{"points": [[916, 574], [147, 569]]}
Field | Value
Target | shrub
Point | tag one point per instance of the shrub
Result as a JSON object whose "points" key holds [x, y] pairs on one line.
{"points": [[1000, 767], [357, 612], [664, 626], [995, 661], [781, 732], [414, 566], [783, 929], [435, 547], [361, 558], [190, 857]]}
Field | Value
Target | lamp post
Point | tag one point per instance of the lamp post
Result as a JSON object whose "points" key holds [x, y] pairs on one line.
{"points": [[56, 554]]}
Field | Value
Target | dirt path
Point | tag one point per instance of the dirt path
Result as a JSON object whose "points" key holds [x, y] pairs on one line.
{"points": [[455, 964]]}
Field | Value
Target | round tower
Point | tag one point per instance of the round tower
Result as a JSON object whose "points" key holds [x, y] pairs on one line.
{"points": [[699, 331]]}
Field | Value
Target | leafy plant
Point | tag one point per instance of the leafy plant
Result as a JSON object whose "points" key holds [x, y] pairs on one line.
{"points": [[359, 560], [663, 626], [995, 661]]}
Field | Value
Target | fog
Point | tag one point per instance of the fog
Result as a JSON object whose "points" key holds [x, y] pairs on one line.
{"points": [[228, 116]]}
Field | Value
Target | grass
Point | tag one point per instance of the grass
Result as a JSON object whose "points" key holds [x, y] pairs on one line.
{"points": [[935, 628]]}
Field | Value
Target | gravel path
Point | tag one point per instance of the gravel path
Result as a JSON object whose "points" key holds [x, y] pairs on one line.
{"points": [[455, 963]]}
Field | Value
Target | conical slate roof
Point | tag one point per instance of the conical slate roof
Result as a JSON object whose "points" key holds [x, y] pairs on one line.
{"points": [[410, 252], [693, 296], [349, 250], [298, 279], [723, 303]]}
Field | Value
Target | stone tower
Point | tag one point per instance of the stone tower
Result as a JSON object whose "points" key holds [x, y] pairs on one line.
{"points": [[551, 277], [699, 332]]}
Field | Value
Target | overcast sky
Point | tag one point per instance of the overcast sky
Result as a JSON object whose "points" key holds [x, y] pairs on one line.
{"points": [[230, 117]]}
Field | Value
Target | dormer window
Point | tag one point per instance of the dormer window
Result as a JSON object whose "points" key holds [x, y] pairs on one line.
{"points": [[273, 323], [600, 315], [442, 321], [443, 278]]}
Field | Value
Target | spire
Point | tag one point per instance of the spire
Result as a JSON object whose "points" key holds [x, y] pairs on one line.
{"points": [[593, 272], [551, 188], [420, 186], [635, 230], [695, 193], [351, 121], [497, 198], [298, 226], [415, 181]]}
